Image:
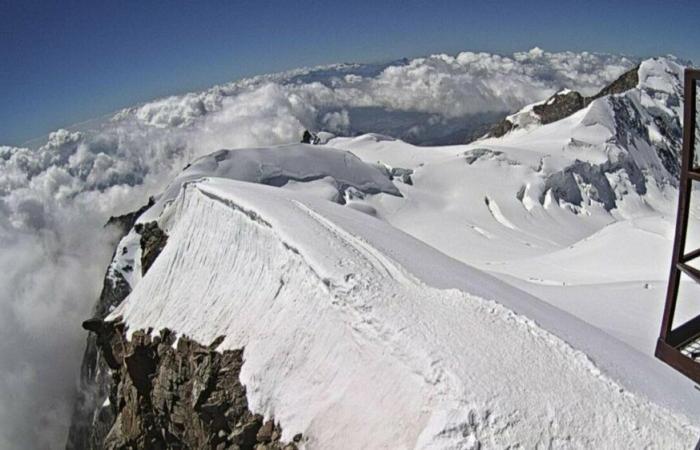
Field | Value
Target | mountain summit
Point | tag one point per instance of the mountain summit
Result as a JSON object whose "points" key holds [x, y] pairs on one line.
{"points": [[369, 293]]}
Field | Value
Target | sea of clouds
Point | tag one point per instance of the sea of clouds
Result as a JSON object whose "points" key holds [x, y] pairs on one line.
{"points": [[56, 197]]}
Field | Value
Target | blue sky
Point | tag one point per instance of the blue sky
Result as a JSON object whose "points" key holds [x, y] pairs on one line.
{"points": [[69, 61]]}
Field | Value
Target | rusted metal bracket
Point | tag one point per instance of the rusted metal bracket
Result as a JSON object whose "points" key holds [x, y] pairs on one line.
{"points": [[680, 347]]}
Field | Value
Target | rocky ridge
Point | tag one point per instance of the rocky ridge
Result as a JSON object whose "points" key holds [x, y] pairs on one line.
{"points": [[169, 392], [162, 391], [565, 103], [90, 423], [642, 111]]}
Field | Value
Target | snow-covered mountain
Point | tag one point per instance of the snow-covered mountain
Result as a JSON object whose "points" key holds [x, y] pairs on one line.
{"points": [[564, 221], [370, 293]]}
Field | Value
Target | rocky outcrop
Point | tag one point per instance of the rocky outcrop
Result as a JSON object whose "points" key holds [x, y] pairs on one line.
{"points": [[125, 222], [176, 393], [559, 106], [500, 129], [565, 103], [566, 184], [87, 427], [310, 138], [153, 240], [90, 423], [623, 83], [144, 393]]}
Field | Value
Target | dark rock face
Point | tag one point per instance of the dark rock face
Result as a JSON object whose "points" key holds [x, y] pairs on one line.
{"points": [[310, 138], [559, 106], [145, 394], [624, 83], [630, 127], [89, 424], [190, 396], [500, 129], [153, 240]]}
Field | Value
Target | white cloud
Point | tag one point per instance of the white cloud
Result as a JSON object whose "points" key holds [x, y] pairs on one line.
{"points": [[337, 121]]}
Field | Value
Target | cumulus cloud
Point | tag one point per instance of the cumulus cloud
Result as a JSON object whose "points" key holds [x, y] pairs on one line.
{"points": [[452, 86], [55, 199]]}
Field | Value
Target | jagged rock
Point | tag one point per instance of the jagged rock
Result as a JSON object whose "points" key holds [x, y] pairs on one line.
{"points": [[402, 174], [310, 138], [623, 83], [90, 421], [501, 128], [265, 432], [559, 106], [153, 240], [125, 222], [190, 396]]}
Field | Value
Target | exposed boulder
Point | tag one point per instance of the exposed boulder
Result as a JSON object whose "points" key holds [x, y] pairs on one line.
{"points": [[309, 138]]}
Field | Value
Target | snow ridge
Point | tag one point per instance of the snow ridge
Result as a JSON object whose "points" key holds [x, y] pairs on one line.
{"points": [[339, 336]]}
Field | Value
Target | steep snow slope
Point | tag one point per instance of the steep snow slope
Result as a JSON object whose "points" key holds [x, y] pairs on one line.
{"points": [[348, 346], [326, 172]]}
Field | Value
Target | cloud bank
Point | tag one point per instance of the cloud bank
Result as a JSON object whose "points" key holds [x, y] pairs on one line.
{"points": [[54, 199]]}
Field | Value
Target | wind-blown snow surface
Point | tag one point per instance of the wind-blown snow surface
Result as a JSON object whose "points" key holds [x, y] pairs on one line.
{"points": [[347, 346], [56, 195]]}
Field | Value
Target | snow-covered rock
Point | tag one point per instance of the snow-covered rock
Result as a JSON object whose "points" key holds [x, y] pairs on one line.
{"points": [[632, 126]]}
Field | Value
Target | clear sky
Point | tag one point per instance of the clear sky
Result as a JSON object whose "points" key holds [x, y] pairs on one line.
{"points": [[63, 62]]}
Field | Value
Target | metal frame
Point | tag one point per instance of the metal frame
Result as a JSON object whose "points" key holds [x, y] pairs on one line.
{"points": [[672, 341]]}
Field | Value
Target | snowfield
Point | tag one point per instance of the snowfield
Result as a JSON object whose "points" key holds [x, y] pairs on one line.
{"points": [[346, 345], [504, 293]]}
